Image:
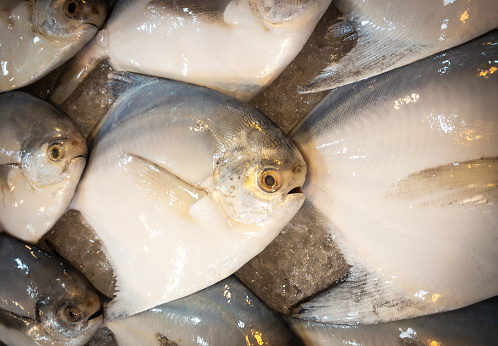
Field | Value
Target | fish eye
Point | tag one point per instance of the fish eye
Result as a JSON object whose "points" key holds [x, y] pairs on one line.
{"points": [[269, 180], [55, 152], [73, 314], [72, 9]]}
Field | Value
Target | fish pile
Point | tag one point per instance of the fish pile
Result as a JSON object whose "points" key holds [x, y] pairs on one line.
{"points": [[182, 182]]}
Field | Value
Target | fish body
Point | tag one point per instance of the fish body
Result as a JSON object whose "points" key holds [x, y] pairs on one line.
{"points": [[43, 300], [38, 36], [394, 33], [186, 182], [405, 166], [237, 47], [472, 325], [42, 156], [226, 313]]}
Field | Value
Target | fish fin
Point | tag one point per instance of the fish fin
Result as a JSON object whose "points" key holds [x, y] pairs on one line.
{"points": [[168, 190], [79, 67], [194, 6], [10, 320], [466, 183], [121, 83], [365, 297], [322, 109], [373, 54]]}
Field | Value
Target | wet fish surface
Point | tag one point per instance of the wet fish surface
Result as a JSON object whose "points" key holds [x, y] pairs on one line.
{"points": [[38, 36], [405, 165], [43, 300], [226, 313], [42, 156], [183, 186], [472, 325], [391, 34], [237, 47]]}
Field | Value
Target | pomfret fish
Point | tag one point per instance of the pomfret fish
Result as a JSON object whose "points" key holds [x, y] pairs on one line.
{"points": [[394, 33], [226, 313], [237, 47], [42, 156], [43, 300], [39, 35], [472, 325], [183, 186], [405, 165]]}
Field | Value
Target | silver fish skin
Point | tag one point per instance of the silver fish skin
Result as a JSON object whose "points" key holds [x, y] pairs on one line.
{"points": [[405, 166], [43, 300], [184, 181], [472, 325], [235, 46], [226, 313], [42, 157], [391, 34], [40, 35]]}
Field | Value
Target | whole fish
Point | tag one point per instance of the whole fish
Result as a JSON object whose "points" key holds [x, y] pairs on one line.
{"points": [[42, 156], [405, 165], [39, 35], [183, 186], [234, 46], [394, 33], [472, 325], [226, 313], [43, 300]]}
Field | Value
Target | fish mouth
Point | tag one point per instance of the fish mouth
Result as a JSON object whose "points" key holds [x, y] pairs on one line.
{"points": [[296, 190]]}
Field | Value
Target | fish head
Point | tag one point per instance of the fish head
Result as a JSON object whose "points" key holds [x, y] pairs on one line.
{"points": [[277, 12], [260, 175], [70, 309], [54, 152], [69, 19]]}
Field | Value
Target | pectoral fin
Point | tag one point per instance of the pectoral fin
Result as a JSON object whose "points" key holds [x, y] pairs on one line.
{"points": [[168, 190]]}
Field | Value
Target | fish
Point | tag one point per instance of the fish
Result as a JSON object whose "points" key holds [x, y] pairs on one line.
{"points": [[237, 47], [394, 33], [472, 325], [405, 167], [186, 182], [226, 313], [42, 157], [43, 300], [40, 35]]}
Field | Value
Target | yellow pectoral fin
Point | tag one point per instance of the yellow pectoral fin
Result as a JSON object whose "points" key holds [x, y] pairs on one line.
{"points": [[167, 190]]}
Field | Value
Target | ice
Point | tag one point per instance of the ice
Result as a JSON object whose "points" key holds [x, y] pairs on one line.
{"points": [[299, 263], [76, 241]]}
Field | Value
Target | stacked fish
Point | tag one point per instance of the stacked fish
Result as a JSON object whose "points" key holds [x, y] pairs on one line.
{"points": [[184, 183]]}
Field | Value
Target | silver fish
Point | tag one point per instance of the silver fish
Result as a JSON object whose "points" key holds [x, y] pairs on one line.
{"points": [[38, 36], [42, 156], [472, 325], [43, 300], [234, 46], [394, 33], [224, 314], [186, 182], [405, 165]]}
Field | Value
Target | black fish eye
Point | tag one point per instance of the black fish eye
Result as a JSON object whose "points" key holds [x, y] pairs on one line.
{"points": [[73, 314], [72, 9], [269, 180], [55, 152]]}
